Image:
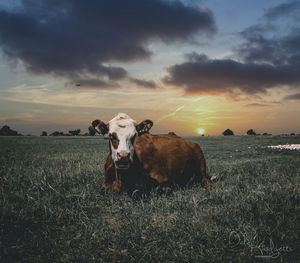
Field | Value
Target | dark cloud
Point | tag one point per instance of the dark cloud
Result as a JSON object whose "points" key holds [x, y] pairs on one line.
{"points": [[267, 58], [144, 83], [277, 50], [113, 73], [76, 37], [257, 105], [278, 42], [293, 97], [201, 75], [282, 10]]}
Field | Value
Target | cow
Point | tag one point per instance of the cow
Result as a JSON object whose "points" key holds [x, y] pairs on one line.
{"points": [[139, 158]]}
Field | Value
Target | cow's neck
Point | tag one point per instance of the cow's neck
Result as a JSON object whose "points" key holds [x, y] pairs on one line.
{"points": [[131, 176]]}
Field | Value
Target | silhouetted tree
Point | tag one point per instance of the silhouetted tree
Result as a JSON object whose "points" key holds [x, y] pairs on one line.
{"points": [[292, 134], [228, 132], [75, 132], [7, 131], [44, 133], [251, 132], [172, 133], [57, 133], [92, 131]]}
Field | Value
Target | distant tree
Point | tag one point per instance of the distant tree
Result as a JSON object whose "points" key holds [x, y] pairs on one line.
{"points": [[92, 131], [86, 134], [7, 131], [292, 134], [75, 132], [57, 133], [251, 132], [44, 133], [265, 133], [228, 132], [172, 133]]}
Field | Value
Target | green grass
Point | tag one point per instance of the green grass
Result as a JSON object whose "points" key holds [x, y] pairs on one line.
{"points": [[53, 209]]}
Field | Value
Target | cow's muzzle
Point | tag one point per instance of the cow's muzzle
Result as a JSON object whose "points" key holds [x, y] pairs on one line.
{"points": [[123, 161]]}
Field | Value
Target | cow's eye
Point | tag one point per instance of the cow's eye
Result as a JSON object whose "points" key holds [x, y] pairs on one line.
{"points": [[113, 137]]}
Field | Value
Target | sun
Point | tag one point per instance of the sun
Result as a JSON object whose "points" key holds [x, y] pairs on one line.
{"points": [[200, 131]]}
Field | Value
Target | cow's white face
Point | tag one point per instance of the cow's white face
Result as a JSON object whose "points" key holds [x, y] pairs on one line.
{"points": [[122, 131]]}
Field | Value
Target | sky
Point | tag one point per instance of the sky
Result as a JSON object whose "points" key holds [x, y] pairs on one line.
{"points": [[187, 65]]}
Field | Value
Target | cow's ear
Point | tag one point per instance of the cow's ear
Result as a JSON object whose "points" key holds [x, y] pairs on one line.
{"points": [[100, 126], [144, 127]]}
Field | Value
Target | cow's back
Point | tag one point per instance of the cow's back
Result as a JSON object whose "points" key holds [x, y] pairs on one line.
{"points": [[170, 159]]}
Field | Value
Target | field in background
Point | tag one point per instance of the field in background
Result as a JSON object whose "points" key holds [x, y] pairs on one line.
{"points": [[53, 209]]}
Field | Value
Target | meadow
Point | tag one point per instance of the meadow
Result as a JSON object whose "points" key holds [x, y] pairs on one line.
{"points": [[53, 209]]}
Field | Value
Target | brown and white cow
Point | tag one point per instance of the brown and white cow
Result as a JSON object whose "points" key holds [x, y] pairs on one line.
{"points": [[137, 157]]}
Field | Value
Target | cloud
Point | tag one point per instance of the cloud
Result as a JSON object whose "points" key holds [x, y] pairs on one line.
{"points": [[293, 97], [73, 38], [257, 105], [268, 57], [276, 41], [282, 10], [144, 83], [202, 75], [259, 47]]}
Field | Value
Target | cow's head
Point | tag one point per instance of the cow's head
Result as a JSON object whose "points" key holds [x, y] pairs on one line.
{"points": [[122, 131]]}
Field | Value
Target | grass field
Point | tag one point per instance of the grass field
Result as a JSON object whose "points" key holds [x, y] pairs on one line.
{"points": [[53, 209]]}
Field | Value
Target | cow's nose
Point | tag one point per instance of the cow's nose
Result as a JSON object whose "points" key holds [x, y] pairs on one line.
{"points": [[123, 155]]}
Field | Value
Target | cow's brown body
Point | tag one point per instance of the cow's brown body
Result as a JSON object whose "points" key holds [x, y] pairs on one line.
{"points": [[166, 159]]}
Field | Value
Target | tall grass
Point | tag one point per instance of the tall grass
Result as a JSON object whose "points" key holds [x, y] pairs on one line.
{"points": [[53, 209]]}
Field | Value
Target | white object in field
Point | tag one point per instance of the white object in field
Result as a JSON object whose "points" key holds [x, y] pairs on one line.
{"points": [[286, 146]]}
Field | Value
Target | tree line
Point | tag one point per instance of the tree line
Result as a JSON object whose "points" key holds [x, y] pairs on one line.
{"points": [[7, 131], [59, 133], [91, 132], [229, 132]]}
